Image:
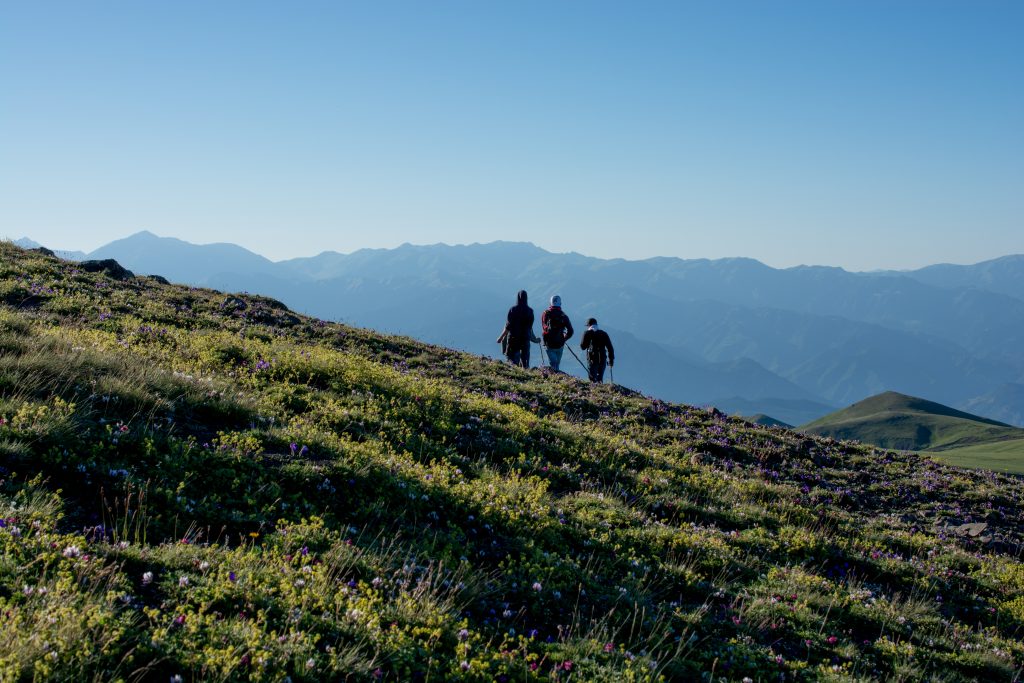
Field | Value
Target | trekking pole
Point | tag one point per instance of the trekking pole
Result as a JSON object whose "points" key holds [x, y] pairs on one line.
{"points": [[611, 369], [578, 360], [541, 345]]}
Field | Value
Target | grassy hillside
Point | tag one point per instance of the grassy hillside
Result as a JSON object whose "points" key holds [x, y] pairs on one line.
{"points": [[199, 486], [893, 420]]}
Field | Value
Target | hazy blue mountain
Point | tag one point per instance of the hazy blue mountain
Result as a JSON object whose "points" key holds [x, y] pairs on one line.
{"points": [[1003, 275], [182, 261], [789, 411], [26, 243], [692, 330], [1004, 403]]}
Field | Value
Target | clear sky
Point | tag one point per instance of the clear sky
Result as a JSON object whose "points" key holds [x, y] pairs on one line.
{"points": [[866, 134]]}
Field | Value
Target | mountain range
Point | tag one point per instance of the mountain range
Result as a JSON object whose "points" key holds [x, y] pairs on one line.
{"points": [[792, 343]]}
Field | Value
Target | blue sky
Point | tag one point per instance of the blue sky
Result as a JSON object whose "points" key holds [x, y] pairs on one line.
{"points": [[862, 134]]}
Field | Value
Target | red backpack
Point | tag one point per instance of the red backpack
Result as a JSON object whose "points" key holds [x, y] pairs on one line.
{"points": [[553, 324]]}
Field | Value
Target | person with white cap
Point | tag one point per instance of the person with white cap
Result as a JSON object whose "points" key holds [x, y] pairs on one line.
{"points": [[556, 330]]}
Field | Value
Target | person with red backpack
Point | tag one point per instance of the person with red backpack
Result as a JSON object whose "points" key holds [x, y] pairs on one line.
{"points": [[556, 330]]}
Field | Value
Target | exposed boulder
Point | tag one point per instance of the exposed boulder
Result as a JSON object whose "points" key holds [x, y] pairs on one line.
{"points": [[233, 304], [109, 266]]}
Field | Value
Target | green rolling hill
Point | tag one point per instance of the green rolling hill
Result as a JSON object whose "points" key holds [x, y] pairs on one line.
{"points": [[901, 422]]}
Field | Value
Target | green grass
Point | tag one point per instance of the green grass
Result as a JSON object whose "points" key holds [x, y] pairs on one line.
{"points": [[215, 488], [1003, 456]]}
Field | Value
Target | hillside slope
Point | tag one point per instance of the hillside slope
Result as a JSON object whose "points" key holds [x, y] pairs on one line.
{"points": [[894, 331], [210, 486]]}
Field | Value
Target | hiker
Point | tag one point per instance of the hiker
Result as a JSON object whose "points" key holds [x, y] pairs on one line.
{"points": [[518, 333], [598, 346], [556, 330]]}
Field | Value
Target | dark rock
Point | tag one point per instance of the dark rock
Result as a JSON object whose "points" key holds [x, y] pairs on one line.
{"points": [[234, 304], [159, 278], [44, 251], [970, 529], [109, 266], [273, 303]]}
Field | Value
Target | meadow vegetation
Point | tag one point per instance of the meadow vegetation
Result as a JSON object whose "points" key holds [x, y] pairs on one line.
{"points": [[200, 486]]}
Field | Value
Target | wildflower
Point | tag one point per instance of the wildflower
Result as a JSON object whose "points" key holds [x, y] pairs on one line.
{"points": [[72, 551], [183, 581], [464, 665], [464, 635], [608, 647], [567, 665], [176, 678], [204, 565], [537, 587], [310, 663], [231, 577], [147, 578]]}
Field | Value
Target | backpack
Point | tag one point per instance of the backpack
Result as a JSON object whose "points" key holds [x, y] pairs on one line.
{"points": [[596, 351], [553, 327]]}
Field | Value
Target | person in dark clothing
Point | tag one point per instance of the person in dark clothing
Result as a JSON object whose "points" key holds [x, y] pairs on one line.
{"points": [[515, 339], [600, 352], [555, 330]]}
